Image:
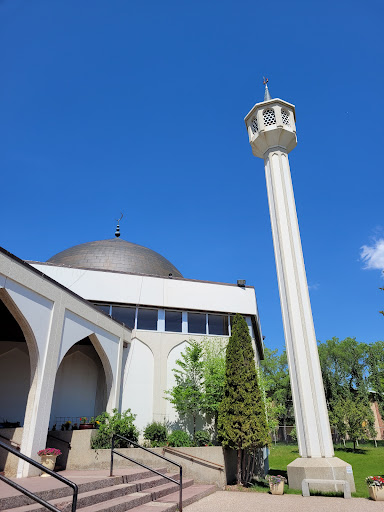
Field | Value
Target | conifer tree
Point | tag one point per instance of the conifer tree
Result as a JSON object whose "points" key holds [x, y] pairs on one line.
{"points": [[242, 421]]}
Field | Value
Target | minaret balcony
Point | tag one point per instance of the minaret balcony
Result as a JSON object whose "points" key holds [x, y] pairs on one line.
{"points": [[269, 124]]}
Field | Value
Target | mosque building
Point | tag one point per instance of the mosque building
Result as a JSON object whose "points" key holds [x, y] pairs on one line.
{"points": [[100, 326]]}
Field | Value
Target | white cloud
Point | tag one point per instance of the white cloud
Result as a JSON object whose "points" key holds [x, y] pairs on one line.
{"points": [[373, 255], [314, 286]]}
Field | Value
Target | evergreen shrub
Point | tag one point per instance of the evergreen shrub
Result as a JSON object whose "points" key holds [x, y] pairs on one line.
{"points": [[179, 438], [156, 433], [202, 438]]}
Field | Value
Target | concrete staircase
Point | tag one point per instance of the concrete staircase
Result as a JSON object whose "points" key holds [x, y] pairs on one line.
{"points": [[130, 489]]}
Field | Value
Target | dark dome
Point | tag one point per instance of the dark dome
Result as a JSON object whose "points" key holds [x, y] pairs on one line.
{"points": [[118, 255]]}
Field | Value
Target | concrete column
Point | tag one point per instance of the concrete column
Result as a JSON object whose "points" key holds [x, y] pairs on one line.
{"points": [[39, 409], [313, 431], [272, 134]]}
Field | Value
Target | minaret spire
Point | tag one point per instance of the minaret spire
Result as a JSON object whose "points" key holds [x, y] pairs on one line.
{"points": [[267, 96], [117, 232]]}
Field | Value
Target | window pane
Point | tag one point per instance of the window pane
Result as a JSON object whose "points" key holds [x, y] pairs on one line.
{"points": [[103, 307], [196, 323], [147, 319], [173, 321], [125, 315], [218, 324]]}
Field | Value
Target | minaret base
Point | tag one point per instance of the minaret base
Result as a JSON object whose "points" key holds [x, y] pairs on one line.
{"points": [[320, 468]]}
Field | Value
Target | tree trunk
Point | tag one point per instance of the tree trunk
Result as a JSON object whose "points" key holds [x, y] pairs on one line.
{"points": [[238, 473], [194, 427]]}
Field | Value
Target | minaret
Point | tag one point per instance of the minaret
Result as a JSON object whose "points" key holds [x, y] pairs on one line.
{"points": [[272, 135]]}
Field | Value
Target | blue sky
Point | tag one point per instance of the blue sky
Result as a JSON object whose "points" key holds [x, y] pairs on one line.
{"points": [[110, 106]]}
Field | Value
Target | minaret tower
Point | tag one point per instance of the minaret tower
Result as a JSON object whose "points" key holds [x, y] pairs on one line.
{"points": [[272, 135]]}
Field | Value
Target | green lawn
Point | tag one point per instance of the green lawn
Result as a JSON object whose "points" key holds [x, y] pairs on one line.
{"points": [[367, 460]]}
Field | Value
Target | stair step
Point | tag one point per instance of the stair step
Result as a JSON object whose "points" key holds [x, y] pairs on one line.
{"points": [[120, 504], [155, 506], [190, 495], [55, 489], [85, 498], [166, 489]]}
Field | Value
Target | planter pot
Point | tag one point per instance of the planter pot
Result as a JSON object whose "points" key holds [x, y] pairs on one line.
{"points": [[49, 462], [376, 493], [277, 488], [86, 426]]}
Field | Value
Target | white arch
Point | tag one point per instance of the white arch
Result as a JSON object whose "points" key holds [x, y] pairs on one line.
{"points": [[138, 379], [33, 349]]}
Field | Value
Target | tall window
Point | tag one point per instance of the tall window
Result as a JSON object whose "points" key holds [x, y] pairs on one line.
{"points": [[125, 315], [173, 321], [218, 324], [147, 319], [196, 323]]}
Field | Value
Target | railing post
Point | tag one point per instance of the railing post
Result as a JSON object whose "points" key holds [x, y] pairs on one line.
{"points": [[113, 447], [181, 491]]}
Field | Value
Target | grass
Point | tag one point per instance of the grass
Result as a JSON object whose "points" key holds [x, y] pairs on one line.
{"points": [[366, 460]]}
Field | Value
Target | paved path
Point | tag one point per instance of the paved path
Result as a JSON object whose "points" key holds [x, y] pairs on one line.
{"points": [[232, 501]]}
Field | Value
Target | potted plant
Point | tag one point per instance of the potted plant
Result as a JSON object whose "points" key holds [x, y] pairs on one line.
{"points": [[85, 424], [48, 458], [375, 487], [276, 483]]}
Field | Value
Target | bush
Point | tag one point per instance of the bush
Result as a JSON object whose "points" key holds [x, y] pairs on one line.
{"points": [[156, 433], [202, 438], [179, 438], [116, 423]]}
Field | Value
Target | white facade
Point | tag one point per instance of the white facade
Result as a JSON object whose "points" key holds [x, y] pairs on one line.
{"points": [[151, 357], [71, 360]]}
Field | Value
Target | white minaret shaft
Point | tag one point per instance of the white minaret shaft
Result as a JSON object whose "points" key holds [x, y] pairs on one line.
{"points": [[272, 134]]}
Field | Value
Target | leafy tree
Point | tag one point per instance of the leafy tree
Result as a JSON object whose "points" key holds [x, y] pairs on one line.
{"points": [[343, 366], [348, 369], [375, 364], [242, 423], [187, 396], [117, 423], [277, 386], [353, 418], [213, 375]]}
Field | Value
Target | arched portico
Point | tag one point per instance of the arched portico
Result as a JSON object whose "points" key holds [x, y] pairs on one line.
{"points": [[83, 384]]}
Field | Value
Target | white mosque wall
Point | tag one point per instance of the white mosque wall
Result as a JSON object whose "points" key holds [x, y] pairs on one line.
{"points": [[15, 374], [138, 383], [155, 291], [172, 417]]}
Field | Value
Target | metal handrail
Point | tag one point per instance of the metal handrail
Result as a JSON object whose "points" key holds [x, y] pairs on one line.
{"points": [[43, 468], [219, 467], [11, 441], [179, 483]]}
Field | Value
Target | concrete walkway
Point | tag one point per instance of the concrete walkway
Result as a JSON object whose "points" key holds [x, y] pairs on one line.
{"points": [[232, 501]]}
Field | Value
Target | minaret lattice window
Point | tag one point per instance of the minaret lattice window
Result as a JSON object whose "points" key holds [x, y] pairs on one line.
{"points": [[285, 117], [269, 117], [254, 126]]}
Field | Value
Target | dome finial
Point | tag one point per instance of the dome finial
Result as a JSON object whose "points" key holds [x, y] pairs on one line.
{"points": [[117, 232], [267, 96]]}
